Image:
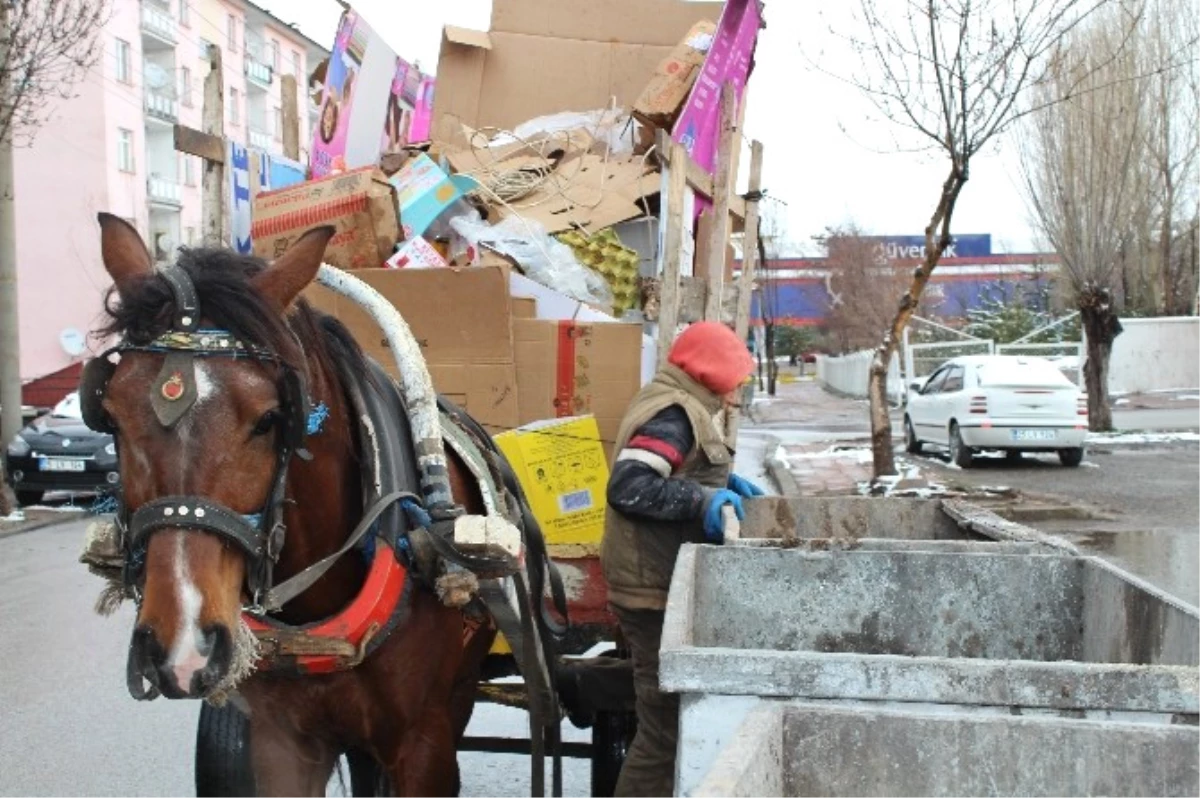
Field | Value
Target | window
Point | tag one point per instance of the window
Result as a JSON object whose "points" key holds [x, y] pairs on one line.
{"points": [[204, 45], [231, 32], [124, 67], [189, 170], [185, 87], [234, 115], [954, 380], [125, 150], [185, 18], [935, 382], [277, 123], [273, 54], [296, 64], [189, 236]]}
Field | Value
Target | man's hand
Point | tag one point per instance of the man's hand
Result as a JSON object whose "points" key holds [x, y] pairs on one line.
{"points": [[714, 523], [743, 487]]}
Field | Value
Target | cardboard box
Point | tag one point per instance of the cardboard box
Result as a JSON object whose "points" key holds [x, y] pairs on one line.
{"points": [[462, 319], [545, 57], [567, 368], [424, 192], [360, 204], [561, 467], [661, 101], [416, 253], [524, 307]]}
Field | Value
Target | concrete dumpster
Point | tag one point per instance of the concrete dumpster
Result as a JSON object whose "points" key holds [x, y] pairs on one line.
{"points": [[970, 656]]}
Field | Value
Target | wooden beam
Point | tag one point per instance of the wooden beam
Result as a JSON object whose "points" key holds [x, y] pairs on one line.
{"points": [[669, 292], [720, 200], [749, 243], [291, 117], [195, 142], [212, 204], [700, 180]]}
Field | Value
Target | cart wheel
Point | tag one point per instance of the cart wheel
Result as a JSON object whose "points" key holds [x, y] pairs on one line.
{"points": [[612, 734], [223, 752]]}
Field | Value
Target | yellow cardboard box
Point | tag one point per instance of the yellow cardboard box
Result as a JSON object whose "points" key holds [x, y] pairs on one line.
{"points": [[561, 466]]}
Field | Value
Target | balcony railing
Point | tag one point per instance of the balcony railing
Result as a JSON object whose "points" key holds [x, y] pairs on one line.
{"points": [[158, 23], [161, 105], [258, 73], [164, 191], [261, 139]]}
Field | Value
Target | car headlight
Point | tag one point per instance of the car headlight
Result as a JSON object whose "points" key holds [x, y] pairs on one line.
{"points": [[111, 449], [19, 447]]}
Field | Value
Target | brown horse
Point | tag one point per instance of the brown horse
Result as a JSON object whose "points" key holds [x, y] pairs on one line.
{"points": [[408, 702]]}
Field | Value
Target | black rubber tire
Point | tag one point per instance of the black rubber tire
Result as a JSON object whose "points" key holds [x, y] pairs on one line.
{"points": [[28, 497], [223, 752], [1071, 458], [960, 453], [1012, 455], [612, 734], [911, 444]]}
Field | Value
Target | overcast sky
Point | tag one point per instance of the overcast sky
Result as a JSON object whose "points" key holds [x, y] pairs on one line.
{"points": [[823, 154]]}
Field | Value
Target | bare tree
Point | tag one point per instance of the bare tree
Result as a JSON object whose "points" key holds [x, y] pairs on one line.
{"points": [[46, 48], [1103, 173], [950, 72], [863, 284]]}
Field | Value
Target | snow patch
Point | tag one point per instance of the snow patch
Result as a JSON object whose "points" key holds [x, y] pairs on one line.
{"points": [[1191, 397], [1120, 402], [1116, 438]]}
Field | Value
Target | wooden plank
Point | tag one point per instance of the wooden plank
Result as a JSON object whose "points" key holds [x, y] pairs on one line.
{"points": [[720, 199], [291, 117], [700, 180], [749, 243], [668, 314], [212, 207], [194, 142]]}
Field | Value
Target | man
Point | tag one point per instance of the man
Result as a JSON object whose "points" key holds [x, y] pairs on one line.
{"points": [[670, 480]]}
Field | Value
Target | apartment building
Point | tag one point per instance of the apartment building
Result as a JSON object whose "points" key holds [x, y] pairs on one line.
{"points": [[111, 148]]}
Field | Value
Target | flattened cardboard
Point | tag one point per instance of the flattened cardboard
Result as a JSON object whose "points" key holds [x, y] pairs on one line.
{"points": [[545, 57], [661, 101], [462, 319], [566, 368], [360, 204]]}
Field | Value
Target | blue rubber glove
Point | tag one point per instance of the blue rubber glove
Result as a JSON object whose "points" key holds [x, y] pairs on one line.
{"points": [[743, 487], [714, 524]]}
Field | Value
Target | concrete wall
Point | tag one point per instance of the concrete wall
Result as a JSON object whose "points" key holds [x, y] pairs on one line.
{"points": [[1156, 355], [849, 374]]}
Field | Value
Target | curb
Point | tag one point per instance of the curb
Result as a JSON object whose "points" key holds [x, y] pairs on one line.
{"points": [[777, 469], [21, 527]]}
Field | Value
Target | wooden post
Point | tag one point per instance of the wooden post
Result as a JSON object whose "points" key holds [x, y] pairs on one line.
{"points": [[668, 311], [749, 243], [212, 206], [720, 199], [291, 117]]}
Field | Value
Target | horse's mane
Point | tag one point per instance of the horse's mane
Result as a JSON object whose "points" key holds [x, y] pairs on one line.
{"points": [[144, 309]]}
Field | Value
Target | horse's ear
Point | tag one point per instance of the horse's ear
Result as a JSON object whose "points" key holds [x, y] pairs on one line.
{"points": [[283, 281], [121, 248]]}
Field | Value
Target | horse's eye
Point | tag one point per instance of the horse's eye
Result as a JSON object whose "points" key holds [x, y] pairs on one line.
{"points": [[266, 423]]}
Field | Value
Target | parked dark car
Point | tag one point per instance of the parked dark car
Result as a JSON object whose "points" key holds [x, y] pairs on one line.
{"points": [[57, 452]]}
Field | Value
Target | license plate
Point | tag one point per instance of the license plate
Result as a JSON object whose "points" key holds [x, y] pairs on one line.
{"points": [[1034, 434], [62, 464]]}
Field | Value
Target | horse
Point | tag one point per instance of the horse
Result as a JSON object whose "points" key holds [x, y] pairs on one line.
{"points": [[222, 361]]}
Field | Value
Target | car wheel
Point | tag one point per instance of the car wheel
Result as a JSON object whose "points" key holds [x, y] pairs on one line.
{"points": [[1012, 455], [960, 453], [1071, 458], [911, 443], [28, 497]]}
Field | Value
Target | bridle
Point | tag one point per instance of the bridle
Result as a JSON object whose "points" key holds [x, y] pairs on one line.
{"points": [[173, 393]]}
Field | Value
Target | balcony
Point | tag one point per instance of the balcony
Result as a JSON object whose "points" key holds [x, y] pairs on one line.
{"points": [[258, 74], [158, 28], [161, 105], [164, 192], [261, 139]]}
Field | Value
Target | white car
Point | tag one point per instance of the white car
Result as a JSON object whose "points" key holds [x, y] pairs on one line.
{"points": [[999, 402]]}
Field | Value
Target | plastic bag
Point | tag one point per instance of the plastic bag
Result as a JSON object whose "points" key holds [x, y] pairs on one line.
{"points": [[613, 127], [545, 259]]}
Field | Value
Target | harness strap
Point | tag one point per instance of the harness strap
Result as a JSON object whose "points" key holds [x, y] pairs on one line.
{"points": [[187, 304], [288, 589], [192, 512]]}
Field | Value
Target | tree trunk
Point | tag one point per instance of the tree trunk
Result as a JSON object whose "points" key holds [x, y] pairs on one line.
{"points": [[1101, 326], [8, 499], [772, 366], [937, 238]]}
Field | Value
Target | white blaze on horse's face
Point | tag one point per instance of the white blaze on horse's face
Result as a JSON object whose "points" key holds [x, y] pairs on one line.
{"points": [[185, 657]]}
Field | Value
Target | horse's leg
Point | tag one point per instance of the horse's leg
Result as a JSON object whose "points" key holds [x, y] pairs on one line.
{"points": [[426, 762], [288, 764]]}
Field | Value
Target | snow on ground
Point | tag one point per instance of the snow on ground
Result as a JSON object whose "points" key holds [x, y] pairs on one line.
{"points": [[1116, 438], [1189, 397]]}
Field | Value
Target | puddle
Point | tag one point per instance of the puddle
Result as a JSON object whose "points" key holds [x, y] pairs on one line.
{"points": [[1166, 559]]}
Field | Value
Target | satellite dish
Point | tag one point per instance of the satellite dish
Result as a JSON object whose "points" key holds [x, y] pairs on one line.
{"points": [[72, 342]]}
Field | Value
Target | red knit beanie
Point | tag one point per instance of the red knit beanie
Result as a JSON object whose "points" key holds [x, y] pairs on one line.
{"points": [[712, 355]]}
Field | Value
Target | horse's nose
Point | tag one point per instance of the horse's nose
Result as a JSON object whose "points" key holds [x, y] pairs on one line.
{"points": [[199, 661]]}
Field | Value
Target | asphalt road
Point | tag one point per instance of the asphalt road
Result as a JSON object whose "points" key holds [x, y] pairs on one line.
{"points": [[68, 726]]}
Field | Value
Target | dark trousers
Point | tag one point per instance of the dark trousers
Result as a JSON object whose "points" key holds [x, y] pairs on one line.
{"points": [[649, 768]]}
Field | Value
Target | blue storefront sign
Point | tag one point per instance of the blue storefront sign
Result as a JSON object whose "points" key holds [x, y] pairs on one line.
{"points": [[239, 196], [971, 245]]}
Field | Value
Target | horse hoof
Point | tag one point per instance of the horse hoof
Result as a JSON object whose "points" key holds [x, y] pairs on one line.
{"points": [[456, 589]]}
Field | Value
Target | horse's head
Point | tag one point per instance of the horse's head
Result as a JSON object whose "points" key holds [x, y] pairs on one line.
{"points": [[204, 437]]}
